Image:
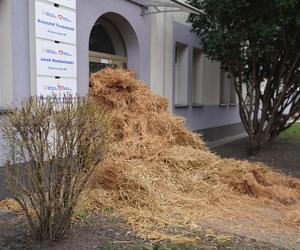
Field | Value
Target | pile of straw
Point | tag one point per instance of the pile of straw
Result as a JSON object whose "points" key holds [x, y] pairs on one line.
{"points": [[161, 175]]}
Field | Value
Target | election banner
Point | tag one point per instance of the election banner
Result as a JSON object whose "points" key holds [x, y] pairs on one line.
{"points": [[55, 59], [47, 86], [55, 23]]}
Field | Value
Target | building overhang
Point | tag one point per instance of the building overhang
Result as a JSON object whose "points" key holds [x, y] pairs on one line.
{"points": [[160, 6]]}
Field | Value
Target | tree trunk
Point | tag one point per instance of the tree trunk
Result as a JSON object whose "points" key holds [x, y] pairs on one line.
{"points": [[265, 114]]}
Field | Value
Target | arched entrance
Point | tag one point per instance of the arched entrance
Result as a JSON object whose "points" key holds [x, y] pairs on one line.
{"points": [[106, 46], [111, 39]]}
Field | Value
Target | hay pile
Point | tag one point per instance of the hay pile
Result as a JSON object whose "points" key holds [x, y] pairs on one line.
{"points": [[160, 175]]}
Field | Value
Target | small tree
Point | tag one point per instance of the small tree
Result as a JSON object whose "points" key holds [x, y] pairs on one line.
{"points": [[258, 41], [54, 146]]}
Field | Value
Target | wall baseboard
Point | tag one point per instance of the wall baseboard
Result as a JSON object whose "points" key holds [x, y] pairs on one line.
{"points": [[220, 133], [217, 143]]}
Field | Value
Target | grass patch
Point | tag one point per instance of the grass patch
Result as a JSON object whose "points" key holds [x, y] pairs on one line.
{"points": [[292, 133], [227, 244], [204, 241], [81, 214], [147, 247]]}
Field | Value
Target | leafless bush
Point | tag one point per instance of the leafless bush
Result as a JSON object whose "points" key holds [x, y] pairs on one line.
{"points": [[54, 148]]}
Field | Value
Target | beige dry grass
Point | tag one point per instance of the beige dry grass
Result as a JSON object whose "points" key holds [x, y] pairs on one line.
{"points": [[160, 175]]}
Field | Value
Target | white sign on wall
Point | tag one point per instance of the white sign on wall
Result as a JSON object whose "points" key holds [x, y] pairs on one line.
{"points": [[66, 3], [53, 47], [55, 59], [55, 23], [50, 86]]}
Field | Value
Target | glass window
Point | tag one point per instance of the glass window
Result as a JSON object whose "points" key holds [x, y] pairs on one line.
{"points": [[233, 95], [181, 75], [98, 34], [198, 77], [224, 87]]}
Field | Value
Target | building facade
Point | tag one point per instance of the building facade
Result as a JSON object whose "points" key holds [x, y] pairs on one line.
{"points": [[154, 41]]}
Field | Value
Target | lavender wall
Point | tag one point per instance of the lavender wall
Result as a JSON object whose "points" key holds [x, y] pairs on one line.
{"points": [[198, 118], [20, 56], [20, 49]]}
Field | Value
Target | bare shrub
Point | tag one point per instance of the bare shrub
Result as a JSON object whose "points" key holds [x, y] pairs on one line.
{"points": [[54, 148]]}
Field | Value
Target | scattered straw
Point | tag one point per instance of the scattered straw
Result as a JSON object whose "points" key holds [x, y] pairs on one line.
{"points": [[10, 205]]}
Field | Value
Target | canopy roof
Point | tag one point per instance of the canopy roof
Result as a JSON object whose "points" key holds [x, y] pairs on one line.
{"points": [[159, 6]]}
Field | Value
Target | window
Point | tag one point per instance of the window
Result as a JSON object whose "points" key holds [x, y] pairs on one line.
{"points": [[198, 77], [211, 93], [227, 91], [233, 97], [98, 34], [224, 100], [181, 75]]}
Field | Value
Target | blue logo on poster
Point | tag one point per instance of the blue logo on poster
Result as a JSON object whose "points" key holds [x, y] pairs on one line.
{"points": [[58, 87], [53, 52], [59, 16], [49, 51], [48, 14]]}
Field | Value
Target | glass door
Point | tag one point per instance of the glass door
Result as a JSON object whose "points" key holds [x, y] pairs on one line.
{"points": [[99, 61]]}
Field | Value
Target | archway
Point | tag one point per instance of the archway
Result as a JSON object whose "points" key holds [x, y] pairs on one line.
{"points": [[113, 43]]}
